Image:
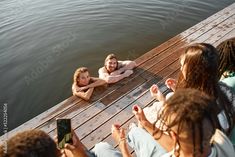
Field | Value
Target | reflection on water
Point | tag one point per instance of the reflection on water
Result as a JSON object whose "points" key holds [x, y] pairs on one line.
{"points": [[43, 42]]}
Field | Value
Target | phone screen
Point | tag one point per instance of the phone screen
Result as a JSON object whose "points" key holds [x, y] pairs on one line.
{"points": [[64, 132]]}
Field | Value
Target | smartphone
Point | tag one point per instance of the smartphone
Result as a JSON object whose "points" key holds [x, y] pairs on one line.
{"points": [[64, 133]]}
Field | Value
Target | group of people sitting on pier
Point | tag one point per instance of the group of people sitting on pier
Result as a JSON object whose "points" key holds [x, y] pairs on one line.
{"points": [[196, 120]]}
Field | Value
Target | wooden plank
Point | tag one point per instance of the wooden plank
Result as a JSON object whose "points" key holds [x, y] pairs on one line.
{"points": [[80, 106], [217, 32], [98, 134], [91, 111], [117, 117], [143, 87], [132, 119], [225, 29], [84, 117], [76, 109], [229, 35]]}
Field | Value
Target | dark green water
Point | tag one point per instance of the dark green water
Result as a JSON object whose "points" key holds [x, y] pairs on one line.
{"points": [[42, 43]]}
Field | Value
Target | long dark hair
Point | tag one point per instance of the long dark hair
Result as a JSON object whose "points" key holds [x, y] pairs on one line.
{"points": [[201, 61]]}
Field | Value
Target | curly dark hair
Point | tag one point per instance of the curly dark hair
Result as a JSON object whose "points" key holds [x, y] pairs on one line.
{"points": [[32, 143], [190, 111]]}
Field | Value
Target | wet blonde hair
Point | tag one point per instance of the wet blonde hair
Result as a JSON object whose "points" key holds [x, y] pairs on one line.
{"points": [[77, 74]]}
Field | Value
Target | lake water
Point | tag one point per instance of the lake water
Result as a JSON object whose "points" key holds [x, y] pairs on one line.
{"points": [[43, 42]]}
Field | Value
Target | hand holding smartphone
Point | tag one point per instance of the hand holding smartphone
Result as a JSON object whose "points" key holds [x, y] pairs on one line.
{"points": [[64, 133]]}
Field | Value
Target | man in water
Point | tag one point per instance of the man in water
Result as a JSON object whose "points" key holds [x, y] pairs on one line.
{"points": [[115, 70]]}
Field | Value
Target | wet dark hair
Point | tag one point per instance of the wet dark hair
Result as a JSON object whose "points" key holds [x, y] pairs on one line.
{"points": [[226, 51], [201, 61], [32, 143], [188, 109]]}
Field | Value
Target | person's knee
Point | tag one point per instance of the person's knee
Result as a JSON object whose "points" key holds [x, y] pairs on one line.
{"points": [[103, 149], [134, 135], [99, 147], [134, 130]]}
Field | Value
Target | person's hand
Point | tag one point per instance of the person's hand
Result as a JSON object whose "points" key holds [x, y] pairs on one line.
{"points": [[118, 133], [82, 89], [75, 149], [118, 72], [60, 151], [156, 93], [171, 83], [71, 151], [139, 115], [128, 72]]}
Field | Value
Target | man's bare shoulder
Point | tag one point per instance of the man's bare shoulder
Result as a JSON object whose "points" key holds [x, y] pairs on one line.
{"points": [[102, 69]]}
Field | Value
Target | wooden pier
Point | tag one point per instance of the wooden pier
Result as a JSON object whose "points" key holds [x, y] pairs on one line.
{"points": [[92, 120]]}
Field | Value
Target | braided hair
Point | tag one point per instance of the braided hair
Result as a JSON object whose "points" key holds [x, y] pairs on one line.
{"points": [[226, 51], [189, 113]]}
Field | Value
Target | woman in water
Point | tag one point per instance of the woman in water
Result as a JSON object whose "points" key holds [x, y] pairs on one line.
{"points": [[83, 85]]}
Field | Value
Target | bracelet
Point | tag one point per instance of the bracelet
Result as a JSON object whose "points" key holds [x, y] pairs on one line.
{"points": [[122, 139]]}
